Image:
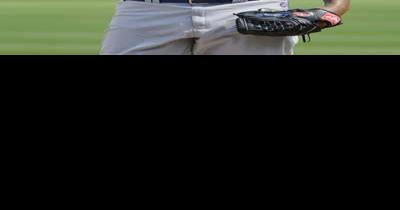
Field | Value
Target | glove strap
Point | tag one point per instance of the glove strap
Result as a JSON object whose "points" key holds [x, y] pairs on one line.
{"points": [[332, 18]]}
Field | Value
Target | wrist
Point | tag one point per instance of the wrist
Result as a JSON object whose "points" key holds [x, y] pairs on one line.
{"points": [[338, 9], [333, 10]]}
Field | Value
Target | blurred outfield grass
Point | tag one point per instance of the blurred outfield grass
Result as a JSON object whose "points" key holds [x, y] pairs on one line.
{"points": [[77, 27]]}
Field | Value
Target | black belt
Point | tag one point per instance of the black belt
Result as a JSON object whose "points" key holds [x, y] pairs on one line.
{"points": [[194, 1]]}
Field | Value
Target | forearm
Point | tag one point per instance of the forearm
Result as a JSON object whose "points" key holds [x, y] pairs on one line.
{"points": [[337, 6]]}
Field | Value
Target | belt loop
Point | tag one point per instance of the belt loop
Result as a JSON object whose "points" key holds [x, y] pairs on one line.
{"points": [[156, 1], [147, 1]]}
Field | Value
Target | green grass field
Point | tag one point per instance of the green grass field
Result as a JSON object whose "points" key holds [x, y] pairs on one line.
{"points": [[77, 27]]}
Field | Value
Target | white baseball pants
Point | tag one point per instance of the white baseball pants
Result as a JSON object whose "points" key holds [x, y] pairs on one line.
{"points": [[141, 28]]}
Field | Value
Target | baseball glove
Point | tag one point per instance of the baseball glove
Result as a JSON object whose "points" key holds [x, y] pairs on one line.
{"points": [[297, 22]]}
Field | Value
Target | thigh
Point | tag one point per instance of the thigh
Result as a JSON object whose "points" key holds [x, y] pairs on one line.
{"points": [[144, 28], [127, 42], [238, 44], [222, 37]]}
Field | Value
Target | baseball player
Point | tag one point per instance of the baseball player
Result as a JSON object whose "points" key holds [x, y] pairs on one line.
{"points": [[199, 27]]}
